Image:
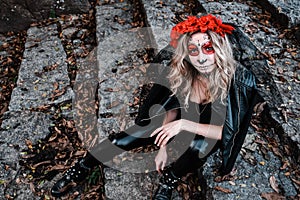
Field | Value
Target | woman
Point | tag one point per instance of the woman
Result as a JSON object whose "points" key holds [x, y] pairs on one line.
{"points": [[208, 106]]}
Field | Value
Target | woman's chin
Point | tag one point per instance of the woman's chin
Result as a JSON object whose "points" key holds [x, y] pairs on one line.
{"points": [[205, 69]]}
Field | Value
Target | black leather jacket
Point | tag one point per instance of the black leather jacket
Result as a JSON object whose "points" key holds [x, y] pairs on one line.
{"points": [[240, 102]]}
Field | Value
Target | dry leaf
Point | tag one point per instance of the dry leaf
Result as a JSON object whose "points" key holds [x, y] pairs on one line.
{"points": [[272, 196], [280, 70], [274, 184], [296, 181], [32, 188], [231, 183], [219, 188]]}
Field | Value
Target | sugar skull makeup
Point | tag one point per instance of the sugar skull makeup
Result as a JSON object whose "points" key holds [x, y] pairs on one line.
{"points": [[201, 52], [194, 50]]}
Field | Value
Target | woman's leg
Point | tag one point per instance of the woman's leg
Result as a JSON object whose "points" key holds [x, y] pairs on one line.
{"points": [[133, 137], [191, 160]]}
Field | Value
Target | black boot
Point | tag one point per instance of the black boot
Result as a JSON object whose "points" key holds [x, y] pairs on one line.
{"points": [[71, 178], [166, 185]]}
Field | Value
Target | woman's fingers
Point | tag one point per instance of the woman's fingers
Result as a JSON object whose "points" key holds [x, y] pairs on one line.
{"points": [[156, 131], [160, 166], [157, 168], [163, 165], [163, 140], [162, 135], [159, 136]]}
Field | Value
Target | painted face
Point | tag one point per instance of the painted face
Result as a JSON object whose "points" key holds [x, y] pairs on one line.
{"points": [[201, 53]]}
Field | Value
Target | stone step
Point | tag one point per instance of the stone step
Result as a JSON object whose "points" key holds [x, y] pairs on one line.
{"points": [[285, 12], [43, 72], [43, 80], [121, 72], [160, 18], [271, 87]]}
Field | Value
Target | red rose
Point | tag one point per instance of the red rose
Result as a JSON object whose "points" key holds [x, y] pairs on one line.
{"points": [[202, 24]]}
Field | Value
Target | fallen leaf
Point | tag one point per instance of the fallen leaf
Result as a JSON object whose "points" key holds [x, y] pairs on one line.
{"points": [[274, 184], [296, 181], [280, 70], [32, 188], [231, 183], [272, 196], [262, 163], [219, 188], [276, 151]]}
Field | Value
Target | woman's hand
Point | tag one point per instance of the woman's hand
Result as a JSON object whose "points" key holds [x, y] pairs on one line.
{"points": [[161, 159], [167, 131]]}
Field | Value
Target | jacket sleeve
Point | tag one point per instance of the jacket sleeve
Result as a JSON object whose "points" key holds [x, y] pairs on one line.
{"points": [[240, 103]]}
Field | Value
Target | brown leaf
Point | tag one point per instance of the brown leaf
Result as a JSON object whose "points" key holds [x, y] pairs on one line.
{"points": [[280, 70], [32, 188], [225, 190], [113, 104], [296, 181], [274, 184], [258, 141], [55, 85], [58, 167], [285, 165], [28, 143], [272, 196], [41, 163], [53, 137], [281, 35], [276, 151], [79, 153], [269, 57]]}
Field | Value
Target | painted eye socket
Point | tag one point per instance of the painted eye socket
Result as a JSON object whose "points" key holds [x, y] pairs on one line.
{"points": [[193, 50], [207, 48]]}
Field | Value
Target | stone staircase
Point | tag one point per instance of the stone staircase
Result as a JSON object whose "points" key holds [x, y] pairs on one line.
{"points": [[114, 72]]}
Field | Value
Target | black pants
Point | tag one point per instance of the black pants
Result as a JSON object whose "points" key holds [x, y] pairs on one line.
{"points": [[138, 136]]}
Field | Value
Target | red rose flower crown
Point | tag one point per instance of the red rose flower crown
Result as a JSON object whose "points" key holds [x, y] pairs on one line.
{"points": [[202, 24]]}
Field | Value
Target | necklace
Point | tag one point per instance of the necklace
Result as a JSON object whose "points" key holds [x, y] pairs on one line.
{"points": [[198, 92], [198, 109]]}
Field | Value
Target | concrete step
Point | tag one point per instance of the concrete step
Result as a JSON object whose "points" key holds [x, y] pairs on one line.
{"points": [[43, 80], [160, 18], [121, 72], [273, 88], [284, 12]]}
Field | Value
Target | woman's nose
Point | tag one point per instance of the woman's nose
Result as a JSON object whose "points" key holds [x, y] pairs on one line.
{"points": [[201, 59]]}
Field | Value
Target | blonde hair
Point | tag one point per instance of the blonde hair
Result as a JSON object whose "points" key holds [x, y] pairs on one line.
{"points": [[183, 74]]}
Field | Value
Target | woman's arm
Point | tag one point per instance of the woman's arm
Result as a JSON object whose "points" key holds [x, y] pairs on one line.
{"points": [[206, 130], [162, 156], [170, 116], [169, 130]]}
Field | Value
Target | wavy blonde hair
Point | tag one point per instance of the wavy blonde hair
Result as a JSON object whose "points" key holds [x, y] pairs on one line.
{"points": [[183, 75]]}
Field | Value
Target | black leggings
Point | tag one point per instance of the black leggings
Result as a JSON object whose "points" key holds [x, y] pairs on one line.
{"points": [[138, 136]]}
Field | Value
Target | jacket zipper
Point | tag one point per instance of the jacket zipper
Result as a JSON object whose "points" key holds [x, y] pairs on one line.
{"points": [[238, 123]]}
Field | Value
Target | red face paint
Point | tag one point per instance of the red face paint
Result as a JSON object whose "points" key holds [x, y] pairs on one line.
{"points": [[193, 50], [206, 48]]}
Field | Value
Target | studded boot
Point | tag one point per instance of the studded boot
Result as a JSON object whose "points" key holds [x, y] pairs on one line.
{"points": [[166, 185], [71, 178]]}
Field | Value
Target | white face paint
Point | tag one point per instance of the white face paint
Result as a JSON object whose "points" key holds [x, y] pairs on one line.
{"points": [[201, 53]]}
